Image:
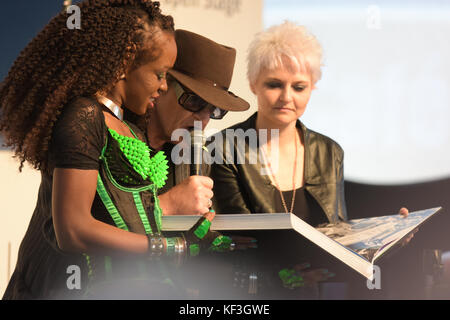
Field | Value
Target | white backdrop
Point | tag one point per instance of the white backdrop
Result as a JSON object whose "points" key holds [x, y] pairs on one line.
{"points": [[384, 95]]}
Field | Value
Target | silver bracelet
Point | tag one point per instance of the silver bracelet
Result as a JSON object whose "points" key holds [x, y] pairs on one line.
{"points": [[180, 251], [155, 245]]}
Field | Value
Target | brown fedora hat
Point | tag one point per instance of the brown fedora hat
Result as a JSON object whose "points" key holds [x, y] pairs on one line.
{"points": [[206, 68]]}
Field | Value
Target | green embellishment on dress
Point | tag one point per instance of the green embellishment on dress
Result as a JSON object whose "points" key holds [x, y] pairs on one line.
{"points": [[89, 265], [141, 211], [157, 211], [138, 154], [202, 229], [221, 244], [194, 250], [291, 279], [159, 169], [109, 204]]}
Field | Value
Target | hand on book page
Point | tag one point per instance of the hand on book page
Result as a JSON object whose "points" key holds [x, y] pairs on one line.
{"points": [[404, 212]]}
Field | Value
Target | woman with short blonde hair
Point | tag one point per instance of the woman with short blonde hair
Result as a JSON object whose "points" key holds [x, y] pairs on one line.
{"points": [[305, 168], [288, 40]]}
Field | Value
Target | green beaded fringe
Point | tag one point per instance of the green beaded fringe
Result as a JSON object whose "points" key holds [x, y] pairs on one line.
{"points": [[138, 154]]}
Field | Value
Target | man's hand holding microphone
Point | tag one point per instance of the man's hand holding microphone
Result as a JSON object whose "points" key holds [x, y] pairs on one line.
{"points": [[193, 197]]}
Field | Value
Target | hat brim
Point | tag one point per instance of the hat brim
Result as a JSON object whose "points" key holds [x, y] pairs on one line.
{"points": [[218, 97]]}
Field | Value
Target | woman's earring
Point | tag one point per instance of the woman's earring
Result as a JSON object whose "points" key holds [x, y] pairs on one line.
{"points": [[122, 77]]}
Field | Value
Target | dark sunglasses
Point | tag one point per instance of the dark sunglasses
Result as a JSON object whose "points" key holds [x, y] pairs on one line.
{"points": [[193, 103]]}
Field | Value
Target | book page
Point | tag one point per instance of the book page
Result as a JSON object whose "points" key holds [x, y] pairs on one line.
{"points": [[369, 235]]}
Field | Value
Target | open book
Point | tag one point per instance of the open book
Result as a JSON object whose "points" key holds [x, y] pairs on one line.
{"points": [[358, 243]]}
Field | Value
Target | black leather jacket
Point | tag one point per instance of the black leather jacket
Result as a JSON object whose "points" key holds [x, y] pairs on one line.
{"points": [[240, 188]]}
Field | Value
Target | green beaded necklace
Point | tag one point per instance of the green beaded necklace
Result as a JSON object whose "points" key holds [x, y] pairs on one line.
{"points": [[137, 152]]}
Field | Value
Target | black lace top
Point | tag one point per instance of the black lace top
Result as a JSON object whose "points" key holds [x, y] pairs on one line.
{"points": [[77, 142]]}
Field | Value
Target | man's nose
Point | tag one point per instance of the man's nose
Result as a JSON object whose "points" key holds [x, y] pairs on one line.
{"points": [[203, 116]]}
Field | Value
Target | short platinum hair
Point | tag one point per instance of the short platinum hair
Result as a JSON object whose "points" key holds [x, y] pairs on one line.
{"points": [[287, 40]]}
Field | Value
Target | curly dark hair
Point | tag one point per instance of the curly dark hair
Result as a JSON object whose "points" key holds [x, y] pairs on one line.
{"points": [[60, 64]]}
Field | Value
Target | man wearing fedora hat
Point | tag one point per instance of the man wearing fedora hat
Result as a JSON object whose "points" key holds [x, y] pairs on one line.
{"points": [[197, 91]]}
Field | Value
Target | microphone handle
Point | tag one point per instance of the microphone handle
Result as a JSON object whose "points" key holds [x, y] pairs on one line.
{"points": [[196, 159], [197, 141]]}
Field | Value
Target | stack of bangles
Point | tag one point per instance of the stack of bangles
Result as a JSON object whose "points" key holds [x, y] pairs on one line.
{"points": [[199, 236], [168, 247]]}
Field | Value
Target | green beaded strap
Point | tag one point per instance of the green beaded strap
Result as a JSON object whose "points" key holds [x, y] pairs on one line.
{"points": [[138, 154], [109, 204], [141, 211]]}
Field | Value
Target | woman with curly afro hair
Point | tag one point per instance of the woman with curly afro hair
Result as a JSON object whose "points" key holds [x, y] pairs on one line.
{"points": [[98, 216]]}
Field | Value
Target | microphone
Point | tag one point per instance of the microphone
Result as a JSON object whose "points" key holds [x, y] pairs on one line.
{"points": [[197, 142]]}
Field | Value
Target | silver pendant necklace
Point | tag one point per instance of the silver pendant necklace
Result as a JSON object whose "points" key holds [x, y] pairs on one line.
{"points": [[266, 160]]}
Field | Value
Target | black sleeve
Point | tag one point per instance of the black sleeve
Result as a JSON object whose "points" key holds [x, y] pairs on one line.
{"points": [[228, 190], [79, 136], [228, 196], [341, 205]]}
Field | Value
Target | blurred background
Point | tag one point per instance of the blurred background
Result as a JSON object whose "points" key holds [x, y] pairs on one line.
{"points": [[384, 97]]}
